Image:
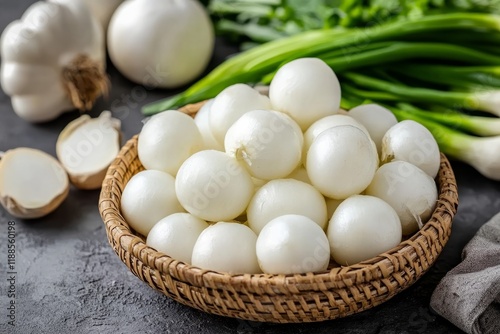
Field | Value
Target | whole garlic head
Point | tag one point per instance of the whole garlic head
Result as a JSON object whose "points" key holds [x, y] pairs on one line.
{"points": [[53, 60]]}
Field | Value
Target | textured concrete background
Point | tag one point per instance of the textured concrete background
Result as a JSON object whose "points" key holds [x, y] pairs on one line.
{"points": [[70, 281]]}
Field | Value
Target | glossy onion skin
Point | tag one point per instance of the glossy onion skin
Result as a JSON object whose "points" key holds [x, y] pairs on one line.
{"points": [[409, 190], [213, 186], [267, 142], [411, 142], [306, 89], [227, 247], [286, 196], [148, 197], [341, 161], [362, 227], [167, 140], [176, 235], [160, 43], [292, 244]]}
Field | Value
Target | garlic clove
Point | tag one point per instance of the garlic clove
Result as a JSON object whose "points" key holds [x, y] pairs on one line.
{"points": [[87, 146], [32, 183]]}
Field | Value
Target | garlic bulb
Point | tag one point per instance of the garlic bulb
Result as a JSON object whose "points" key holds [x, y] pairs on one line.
{"points": [[32, 183], [102, 10], [53, 60], [87, 146]]}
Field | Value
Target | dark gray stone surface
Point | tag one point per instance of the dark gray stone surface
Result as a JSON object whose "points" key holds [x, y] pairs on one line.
{"points": [[70, 281]]}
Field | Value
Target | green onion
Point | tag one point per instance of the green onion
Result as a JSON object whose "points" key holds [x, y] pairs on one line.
{"points": [[254, 31], [458, 76], [253, 65], [388, 52], [488, 101], [400, 51], [476, 125], [370, 95]]}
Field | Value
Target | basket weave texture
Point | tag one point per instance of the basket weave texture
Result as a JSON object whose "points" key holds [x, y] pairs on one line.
{"points": [[338, 292]]}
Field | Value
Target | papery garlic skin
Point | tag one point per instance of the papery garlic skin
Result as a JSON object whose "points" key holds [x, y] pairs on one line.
{"points": [[103, 10], [32, 183], [47, 54], [87, 146]]}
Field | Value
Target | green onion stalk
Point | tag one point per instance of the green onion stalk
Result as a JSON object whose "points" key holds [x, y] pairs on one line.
{"points": [[487, 100], [254, 65], [475, 125], [459, 76], [390, 52]]}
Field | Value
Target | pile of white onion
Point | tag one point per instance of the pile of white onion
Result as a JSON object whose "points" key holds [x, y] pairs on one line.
{"points": [[281, 185]]}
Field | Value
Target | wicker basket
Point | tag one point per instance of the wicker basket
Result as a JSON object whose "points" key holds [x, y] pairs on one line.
{"points": [[335, 293]]}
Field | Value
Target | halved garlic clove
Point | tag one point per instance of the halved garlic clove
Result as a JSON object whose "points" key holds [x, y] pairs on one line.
{"points": [[32, 183], [87, 146]]}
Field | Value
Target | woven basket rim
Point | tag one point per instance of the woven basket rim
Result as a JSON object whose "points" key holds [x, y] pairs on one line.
{"points": [[365, 271]]}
